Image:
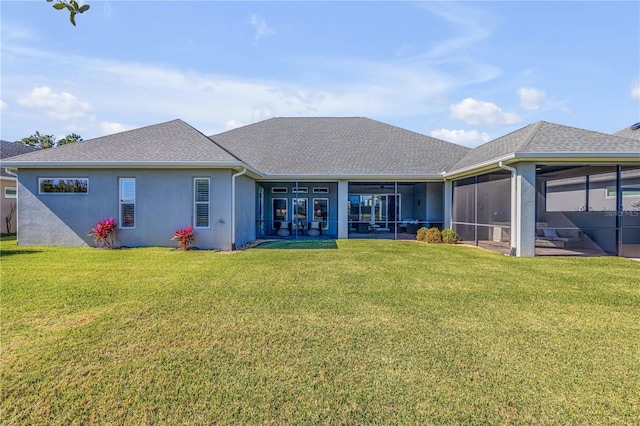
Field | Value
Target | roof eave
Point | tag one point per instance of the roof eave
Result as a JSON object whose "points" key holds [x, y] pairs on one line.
{"points": [[352, 177], [128, 165], [557, 157]]}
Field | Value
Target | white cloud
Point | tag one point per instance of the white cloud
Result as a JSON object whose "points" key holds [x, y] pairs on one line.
{"points": [[480, 113], [635, 90], [117, 91], [470, 138], [262, 29], [531, 98], [568, 111], [108, 127], [62, 106], [3, 105], [234, 124]]}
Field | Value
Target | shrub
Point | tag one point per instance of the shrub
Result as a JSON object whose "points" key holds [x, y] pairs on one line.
{"points": [[449, 236], [184, 237], [104, 233], [431, 235]]}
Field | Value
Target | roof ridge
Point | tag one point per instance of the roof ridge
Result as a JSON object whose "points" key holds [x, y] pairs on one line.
{"points": [[533, 131]]}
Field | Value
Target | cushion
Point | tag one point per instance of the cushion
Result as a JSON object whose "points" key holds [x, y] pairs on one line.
{"points": [[550, 232]]}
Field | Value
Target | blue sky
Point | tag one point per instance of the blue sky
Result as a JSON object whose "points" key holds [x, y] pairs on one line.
{"points": [[466, 72]]}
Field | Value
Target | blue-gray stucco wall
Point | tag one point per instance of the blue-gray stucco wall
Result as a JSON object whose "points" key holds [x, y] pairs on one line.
{"points": [[164, 203]]}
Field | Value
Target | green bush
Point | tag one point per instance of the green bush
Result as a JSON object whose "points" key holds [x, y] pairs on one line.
{"points": [[422, 232], [431, 235], [449, 236]]}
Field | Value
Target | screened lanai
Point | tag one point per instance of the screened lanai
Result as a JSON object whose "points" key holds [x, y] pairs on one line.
{"points": [[579, 210], [481, 209], [394, 209], [589, 208]]}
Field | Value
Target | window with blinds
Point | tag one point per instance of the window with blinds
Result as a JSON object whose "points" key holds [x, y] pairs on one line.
{"points": [[201, 202], [127, 202]]}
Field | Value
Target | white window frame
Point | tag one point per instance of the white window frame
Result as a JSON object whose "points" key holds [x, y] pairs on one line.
{"points": [[300, 190], [273, 210], [123, 201], [11, 196], [41, 192], [196, 203], [321, 190], [279, 190], [325, 224]]}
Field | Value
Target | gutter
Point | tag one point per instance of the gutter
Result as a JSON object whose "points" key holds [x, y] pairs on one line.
{"points": [[513, 239], [233, 206]]}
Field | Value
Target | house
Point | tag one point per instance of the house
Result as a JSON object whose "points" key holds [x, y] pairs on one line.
{"points": [[343, 177], [8, 185]]}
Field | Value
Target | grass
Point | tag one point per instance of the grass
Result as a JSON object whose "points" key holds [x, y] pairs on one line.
{"points": [[331, 332]]}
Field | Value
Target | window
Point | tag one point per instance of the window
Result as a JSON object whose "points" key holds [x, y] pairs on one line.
{"points": [[322, 190], [300, 214], [201, 202], [279, 190], [63, 185], [321, 212], [279, 211], [10, 192], [300, 190], [127, 202]]}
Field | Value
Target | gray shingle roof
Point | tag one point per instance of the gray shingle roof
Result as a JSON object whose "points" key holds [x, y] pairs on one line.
{"points": [[547, 138], [632, 132], [10, 149], [337, 147], [171, 142]]}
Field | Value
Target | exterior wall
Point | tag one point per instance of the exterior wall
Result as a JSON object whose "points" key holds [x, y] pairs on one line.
{"points": [[245, 210], [526, 209], [343, 212], [6, 203], [164, 203]]}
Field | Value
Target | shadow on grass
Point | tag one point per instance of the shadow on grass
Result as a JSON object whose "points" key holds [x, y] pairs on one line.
{"points": [[298, 245], [7, 253]]}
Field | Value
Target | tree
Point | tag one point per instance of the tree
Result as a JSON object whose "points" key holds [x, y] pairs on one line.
{"points": [[72, 6], [72, 138], [49, 141]]}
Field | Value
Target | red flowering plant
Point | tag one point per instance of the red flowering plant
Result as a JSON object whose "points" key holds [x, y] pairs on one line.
{"points": [[104, 233], [184, 237]]}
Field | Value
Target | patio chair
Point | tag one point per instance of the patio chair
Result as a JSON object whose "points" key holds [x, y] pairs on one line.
{"points": [[283, 231], [314, 229]]}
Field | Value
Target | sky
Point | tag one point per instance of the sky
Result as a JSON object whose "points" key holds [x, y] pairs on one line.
{"points": [[467, 72]]}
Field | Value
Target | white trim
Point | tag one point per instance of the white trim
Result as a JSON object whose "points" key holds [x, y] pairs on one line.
{"points": [[559, 157], [314, 219], [295, 211], [321, 190], [196, 203], [40, 192], [279, 190], [120, 202], [300, 190], [273, 211]]}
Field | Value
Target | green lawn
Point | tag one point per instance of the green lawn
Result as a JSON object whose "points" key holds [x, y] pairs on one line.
{"points": [[333, 332]]}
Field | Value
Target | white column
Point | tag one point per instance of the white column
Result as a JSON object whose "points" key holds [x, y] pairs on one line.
{"points": [[343, 213], [526, 209], [448, 200]]}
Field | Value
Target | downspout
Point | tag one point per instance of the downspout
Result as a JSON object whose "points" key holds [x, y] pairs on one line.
{"points": [[514, 204], [233, 206]]}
